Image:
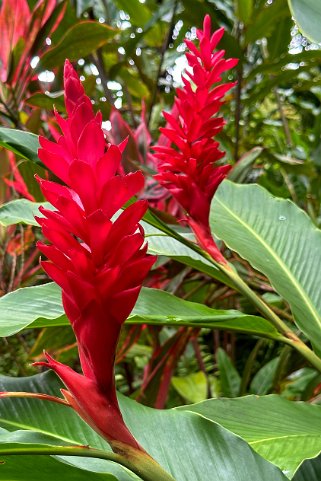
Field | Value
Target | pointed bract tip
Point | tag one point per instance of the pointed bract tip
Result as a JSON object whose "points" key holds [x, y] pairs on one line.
{"points": [[68, 68], [207, 23]]}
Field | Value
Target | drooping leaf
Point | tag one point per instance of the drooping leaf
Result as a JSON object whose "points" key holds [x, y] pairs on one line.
{"points": [[307, 14], [278, 239], [178, 440], [24, 144], [41, 306], [79, 41], [284, 432]]}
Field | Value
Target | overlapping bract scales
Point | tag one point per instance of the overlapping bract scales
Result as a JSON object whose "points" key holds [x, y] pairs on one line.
{"points": [[100, 263], [187, 166]]}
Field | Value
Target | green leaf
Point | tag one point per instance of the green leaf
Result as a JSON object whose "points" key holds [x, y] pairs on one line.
{"points": [[24, 144], [21, 211], [278, 239], [187, 445], [41, 306], [283, 432], [230, 380], [79, 41], [307, 14], [193, 387], [46, 101]]}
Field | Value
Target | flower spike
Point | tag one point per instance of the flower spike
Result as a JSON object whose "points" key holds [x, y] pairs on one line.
{"points": [[187, 166], [100, 263]]}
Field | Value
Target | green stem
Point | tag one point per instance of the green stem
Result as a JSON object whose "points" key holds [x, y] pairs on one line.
{"points": [[257, 301], [137, 462]]}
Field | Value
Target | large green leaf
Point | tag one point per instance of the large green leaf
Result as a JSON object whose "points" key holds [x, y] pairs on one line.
{"points": [[40, 306], [284, 432], [278, 239], [24, 144], [21, 211], [79, 41], [307, 14], [189, 446]]}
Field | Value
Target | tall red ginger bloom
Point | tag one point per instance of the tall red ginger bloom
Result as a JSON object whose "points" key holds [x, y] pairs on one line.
{"points": [[188, 169], [100, 263]]}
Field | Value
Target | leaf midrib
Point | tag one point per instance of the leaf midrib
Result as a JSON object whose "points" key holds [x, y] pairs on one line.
{"points": [[26, 427], [285, 437], [279, 261]]}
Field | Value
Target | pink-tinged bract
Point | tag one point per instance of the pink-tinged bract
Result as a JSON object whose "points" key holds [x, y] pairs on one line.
{"points": [[99, 261], [187, 166]]}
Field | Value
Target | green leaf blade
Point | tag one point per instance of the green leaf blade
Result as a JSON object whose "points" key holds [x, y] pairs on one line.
{"points": [[41, 306], [283, 432], [79, 41], [278, 239], [187, 444], [24, 144], [307, 14]]}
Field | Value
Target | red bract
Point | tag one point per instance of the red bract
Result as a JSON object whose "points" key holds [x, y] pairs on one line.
{"points": [[98, 261], [188, 168]]}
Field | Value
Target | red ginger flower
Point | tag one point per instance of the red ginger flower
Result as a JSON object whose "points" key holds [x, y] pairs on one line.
{"points": [[98, 262], [188, 170]]}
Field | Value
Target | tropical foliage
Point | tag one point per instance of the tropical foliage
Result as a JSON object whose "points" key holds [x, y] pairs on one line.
{"points": [[163, 160]]}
